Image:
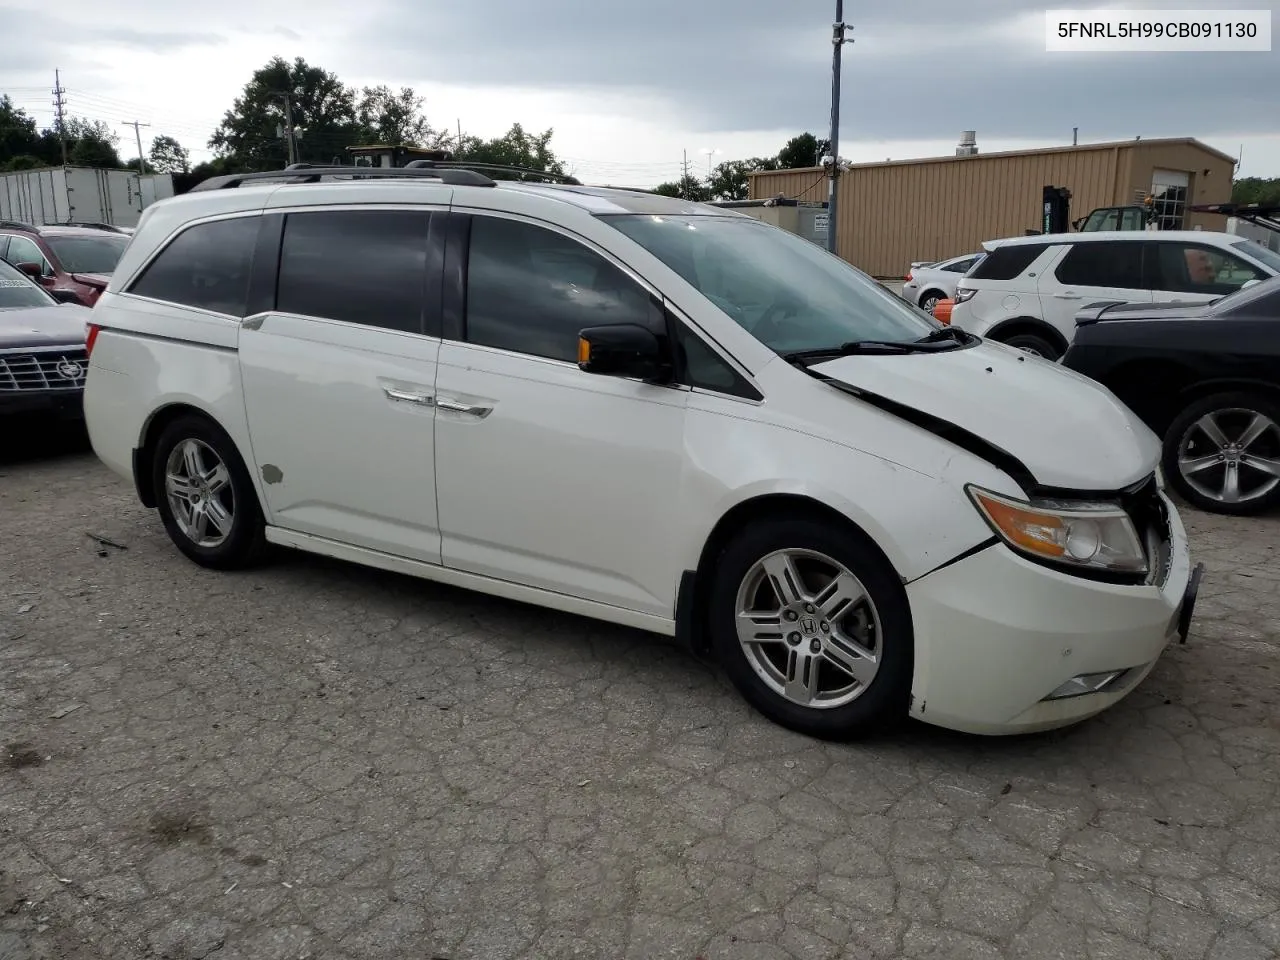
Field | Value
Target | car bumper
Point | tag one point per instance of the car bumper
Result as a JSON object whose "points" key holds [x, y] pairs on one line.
{"points": [[64, 404], [997, 635]]}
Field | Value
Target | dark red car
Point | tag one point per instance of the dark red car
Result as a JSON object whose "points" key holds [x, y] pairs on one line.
{"points": [[73, 263]]}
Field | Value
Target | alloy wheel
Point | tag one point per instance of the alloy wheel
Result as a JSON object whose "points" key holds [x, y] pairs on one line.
{"points": [[808, 628], [1231, 455], [200, 494]]}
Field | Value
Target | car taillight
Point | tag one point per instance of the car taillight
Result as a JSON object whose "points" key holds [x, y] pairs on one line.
{"points": [[964, 293], [907, 278], [90, 337]]}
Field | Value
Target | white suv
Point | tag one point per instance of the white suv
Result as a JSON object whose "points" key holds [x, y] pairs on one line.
{"points": [[1027, 291], [648, 411]]}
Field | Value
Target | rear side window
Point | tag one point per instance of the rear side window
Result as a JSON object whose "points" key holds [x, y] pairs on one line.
{"points": [[1199, 268], [1008, 261], [206, 267], [357, 266], [1105, 264]]}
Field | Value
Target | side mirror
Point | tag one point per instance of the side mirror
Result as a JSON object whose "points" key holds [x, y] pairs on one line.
{"points": [[33, 270], [622, 350]]}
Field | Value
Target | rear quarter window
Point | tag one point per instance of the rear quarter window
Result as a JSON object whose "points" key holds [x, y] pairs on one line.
{"points": [[1007, 262], [206, 266]]}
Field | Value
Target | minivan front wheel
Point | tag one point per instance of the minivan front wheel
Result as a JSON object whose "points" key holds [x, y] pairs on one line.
{"points": [[813, 627], [205, 496]]}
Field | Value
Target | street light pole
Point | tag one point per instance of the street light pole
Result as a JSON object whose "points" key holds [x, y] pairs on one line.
{"points": [[839, 29]]}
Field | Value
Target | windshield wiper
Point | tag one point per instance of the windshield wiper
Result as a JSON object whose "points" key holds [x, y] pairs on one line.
{"points": [[935, 342]]}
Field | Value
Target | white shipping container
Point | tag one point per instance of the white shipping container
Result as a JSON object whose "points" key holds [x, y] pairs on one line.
{"points": [[80, 194]]}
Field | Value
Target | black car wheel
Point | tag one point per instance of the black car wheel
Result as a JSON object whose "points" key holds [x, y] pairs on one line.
{"points": [[813, 627], [205, 496], [1034, 345], [1222, 453]]}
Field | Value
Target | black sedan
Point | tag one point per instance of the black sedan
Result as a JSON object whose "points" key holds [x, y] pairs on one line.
{"points": [[1206, 378], [42, 351]]}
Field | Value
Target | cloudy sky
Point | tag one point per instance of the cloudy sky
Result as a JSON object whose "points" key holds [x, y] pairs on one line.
{"points": [[629, 87]]}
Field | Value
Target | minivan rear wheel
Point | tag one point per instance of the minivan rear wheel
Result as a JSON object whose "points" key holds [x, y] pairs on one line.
{"points": [[205, 496], [813, 627], [1035, 345]]}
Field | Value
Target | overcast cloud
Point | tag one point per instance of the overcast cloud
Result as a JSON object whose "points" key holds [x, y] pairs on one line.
{"points": [[627, 83]]}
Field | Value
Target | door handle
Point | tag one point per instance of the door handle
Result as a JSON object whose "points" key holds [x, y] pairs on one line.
{"points": [[455, 406], [1068, 296], [408, 397]]}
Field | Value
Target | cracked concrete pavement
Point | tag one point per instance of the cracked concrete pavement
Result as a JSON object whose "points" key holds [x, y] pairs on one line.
{"points": [[317, 760]]}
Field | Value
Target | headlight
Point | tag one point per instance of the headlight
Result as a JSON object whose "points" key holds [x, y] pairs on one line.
{"points": [[963, 294], [1096, 536]]}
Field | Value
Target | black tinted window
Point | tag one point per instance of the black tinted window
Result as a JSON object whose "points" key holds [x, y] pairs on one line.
{"points": [[1008, 261], [531, 290], [206, 266], [1105, 264], [1197, 268], [706, 369], [361, 266]]}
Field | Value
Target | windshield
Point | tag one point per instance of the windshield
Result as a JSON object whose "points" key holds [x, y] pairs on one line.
{"points": [[787, 292], [17, 290], [1260, 253], [88, 254]]}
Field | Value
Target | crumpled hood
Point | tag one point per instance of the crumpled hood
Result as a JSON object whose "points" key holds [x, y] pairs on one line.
{"points": [[43, 326], [1068, 430]]}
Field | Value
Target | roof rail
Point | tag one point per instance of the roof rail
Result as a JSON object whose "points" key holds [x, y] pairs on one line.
{"points": [[307, 173], [425, 164], [19, 225], [88, 225]]}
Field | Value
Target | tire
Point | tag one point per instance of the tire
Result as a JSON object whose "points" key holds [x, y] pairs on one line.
{"points": [[759, 671], [1229, 416], [929, 300], [243, 541], [1034, 344]]}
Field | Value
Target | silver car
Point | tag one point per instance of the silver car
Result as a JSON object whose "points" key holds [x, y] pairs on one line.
{"points": [[928, 283]]}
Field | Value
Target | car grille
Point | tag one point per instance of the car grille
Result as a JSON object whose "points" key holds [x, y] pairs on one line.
{"points": [[1146, 508], [58, 369]]}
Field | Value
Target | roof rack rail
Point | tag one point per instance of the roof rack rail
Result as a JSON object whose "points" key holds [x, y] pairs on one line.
{"points": [[88, 225], [307, 173], [425, 164], [19, 225]]}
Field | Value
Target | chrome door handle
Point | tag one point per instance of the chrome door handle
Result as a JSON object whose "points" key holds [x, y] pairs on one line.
{"points": [[407, 397], [454, 406]]}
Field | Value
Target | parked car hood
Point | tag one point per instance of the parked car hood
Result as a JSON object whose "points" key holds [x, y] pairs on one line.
{"points": [[1069, 431], [43, 326]]}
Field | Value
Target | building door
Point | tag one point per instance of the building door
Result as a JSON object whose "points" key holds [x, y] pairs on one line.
{"points": [[1169, 188]]}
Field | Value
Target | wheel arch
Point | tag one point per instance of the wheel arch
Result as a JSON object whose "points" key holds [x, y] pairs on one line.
{"points": [[152, 428], [1005, 329], [692, 601], [941, 295]]}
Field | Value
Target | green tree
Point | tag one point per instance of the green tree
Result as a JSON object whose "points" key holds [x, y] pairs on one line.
{"points": [[387, 116], [324, 117], [1256, 190], [515, 148], [167, 155], [805, 150], [729, 180], [688, 187], [90, 143], [18, 135]]}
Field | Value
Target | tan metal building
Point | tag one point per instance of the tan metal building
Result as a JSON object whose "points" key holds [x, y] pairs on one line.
{"points": [[898, 211]]}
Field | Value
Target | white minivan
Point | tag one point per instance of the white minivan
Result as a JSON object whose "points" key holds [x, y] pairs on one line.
{"points": [[648, 411], [1027, 291]]}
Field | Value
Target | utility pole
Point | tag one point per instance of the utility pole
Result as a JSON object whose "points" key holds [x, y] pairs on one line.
{"points": [[839, 29], [59, 103], [137, 132], [684, 178], [288, 127]]}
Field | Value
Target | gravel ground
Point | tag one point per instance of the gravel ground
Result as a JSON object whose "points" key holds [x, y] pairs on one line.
{"points": [[317, 760]]}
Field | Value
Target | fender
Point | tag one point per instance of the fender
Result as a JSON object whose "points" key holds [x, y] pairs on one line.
{"points": [[1046, 330]]}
